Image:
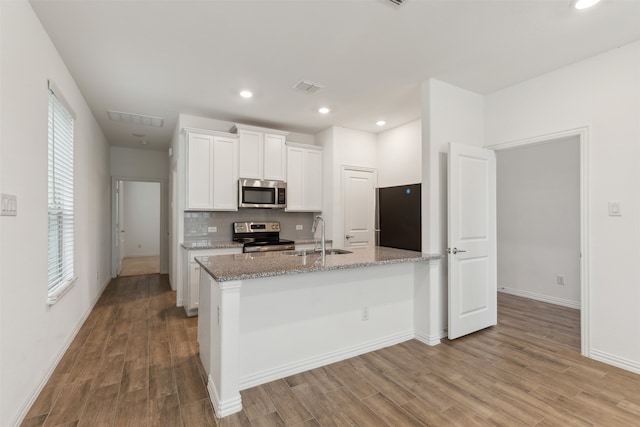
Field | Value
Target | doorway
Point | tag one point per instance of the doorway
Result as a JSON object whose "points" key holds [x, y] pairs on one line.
{"points": [[137, 244], [543, 221]]}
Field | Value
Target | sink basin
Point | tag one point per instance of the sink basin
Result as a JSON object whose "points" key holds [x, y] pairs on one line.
{"points": [[311, 252]]}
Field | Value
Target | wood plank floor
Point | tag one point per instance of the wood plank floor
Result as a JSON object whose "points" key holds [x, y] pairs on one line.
{"points": [[135, 363]]}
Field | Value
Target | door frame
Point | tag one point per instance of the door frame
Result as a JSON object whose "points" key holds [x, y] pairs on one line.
{"points": [[582, 134], [343, 170], [163, 220]]}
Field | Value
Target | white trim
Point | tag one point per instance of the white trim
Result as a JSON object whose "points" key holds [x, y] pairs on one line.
{"points": [[186, 130], [25, 408], [222, 409], [269, 375], [540, 297], [307, 146], [59, 291], [585, 266], [237, 127], [430, 339], [620, 362]]}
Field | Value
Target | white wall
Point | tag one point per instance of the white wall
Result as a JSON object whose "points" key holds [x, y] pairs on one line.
{"points": [[342, 147], [449, 114], [34, 336], [400, 155], [141, 203], [149, 165], [538, 209], [602, 93]]}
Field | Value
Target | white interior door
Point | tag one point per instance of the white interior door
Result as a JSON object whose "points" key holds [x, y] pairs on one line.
{"points": [[359, 204], [472, 239]]}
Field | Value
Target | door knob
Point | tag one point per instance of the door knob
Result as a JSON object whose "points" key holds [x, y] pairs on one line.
{"points": [[454, 250], [349, 236]]}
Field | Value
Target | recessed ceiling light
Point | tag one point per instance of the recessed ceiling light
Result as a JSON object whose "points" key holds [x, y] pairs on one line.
{"points": [[381, 123], [144, 142], [246, 93], [583, 4], [323, 110]]}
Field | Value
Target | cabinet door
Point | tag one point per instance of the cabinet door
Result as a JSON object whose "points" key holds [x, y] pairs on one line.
{"points": [[313, 181], [225, 174], [295, 178], [251, 154], [193, 297], [199, 171], [274, 157]]}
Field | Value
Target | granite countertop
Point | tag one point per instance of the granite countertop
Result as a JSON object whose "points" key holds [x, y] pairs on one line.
{"points": [[208, 244], [244, 266]]}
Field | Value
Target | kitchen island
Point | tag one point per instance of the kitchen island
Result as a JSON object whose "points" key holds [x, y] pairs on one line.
{"points": [[267, 316]]}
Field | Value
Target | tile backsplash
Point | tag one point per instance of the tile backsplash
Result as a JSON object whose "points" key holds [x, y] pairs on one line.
{"points": [[196, 224]]}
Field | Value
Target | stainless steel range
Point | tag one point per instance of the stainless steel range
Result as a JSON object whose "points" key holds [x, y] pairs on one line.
{"points": [[261, 237]]}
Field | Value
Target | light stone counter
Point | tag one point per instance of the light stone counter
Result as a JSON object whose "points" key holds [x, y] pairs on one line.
{"points": [[244, 266]]}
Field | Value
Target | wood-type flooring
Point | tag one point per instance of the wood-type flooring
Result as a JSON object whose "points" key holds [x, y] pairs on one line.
{"points": [[139, 265], [135, 363]]}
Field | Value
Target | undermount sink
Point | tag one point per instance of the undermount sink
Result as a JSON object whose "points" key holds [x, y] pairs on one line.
{"points": [[316, 252]]}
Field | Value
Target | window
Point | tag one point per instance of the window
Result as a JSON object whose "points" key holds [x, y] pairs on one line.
{"points": [[60, 197]]}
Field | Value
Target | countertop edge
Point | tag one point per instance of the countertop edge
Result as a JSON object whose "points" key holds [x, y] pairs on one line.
{"points": [[259, 275]]}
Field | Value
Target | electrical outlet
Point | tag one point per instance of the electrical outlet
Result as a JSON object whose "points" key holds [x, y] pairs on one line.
{"points": [[299, 227], [365, 313], [212, 229], [560, 279]]}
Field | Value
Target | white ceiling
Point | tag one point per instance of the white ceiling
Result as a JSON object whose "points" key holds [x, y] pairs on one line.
{"points": [[162, 58]]}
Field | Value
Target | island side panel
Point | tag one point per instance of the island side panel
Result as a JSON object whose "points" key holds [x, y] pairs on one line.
{"points": [[218, 332], [293, 323]]}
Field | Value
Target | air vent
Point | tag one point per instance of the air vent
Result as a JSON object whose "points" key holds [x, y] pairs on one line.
{"points": [[136, 119], [396, 2], [308, 86]]}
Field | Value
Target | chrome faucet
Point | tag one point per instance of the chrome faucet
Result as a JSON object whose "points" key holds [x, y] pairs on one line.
{"points": [[314, 227]]}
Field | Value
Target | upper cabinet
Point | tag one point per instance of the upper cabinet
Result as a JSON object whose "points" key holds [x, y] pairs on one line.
{"points": [[262, 153], [304, 178], [212, 172]]}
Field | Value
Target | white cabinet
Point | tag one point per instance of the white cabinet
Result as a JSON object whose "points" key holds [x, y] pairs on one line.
{"points": [[262, 153], [304, 178], [212, 173], [191, 282]]}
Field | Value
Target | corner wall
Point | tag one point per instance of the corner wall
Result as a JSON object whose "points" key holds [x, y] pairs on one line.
{"points": [[449, 114], [603, 94], [34, 336]]}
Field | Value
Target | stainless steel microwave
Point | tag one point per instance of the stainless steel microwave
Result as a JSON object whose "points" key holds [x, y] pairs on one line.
{"points": [[256, 193]]}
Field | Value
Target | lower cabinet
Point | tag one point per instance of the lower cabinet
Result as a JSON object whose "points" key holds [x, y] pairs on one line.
{"points": [[191, 290]]}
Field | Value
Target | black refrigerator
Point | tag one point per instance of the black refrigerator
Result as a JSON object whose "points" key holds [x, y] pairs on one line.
{"points": [[398, 217]]}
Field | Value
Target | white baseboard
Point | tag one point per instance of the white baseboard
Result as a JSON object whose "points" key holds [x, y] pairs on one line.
{"points": [[430, 339], [269, 375], [23, 412], [620, 362], [540, 297], [222, 409]]}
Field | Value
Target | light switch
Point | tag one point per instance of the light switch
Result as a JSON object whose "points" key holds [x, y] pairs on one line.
{"points": [[615, 208], [212, 229], [9, 205], [299, 227]]}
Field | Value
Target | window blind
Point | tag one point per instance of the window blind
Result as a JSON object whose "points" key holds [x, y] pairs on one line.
{"points": [[60, 199]]}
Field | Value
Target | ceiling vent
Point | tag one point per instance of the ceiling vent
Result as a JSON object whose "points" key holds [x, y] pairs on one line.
{"points": [[396, 2], [135, 119], [308, 86]]}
